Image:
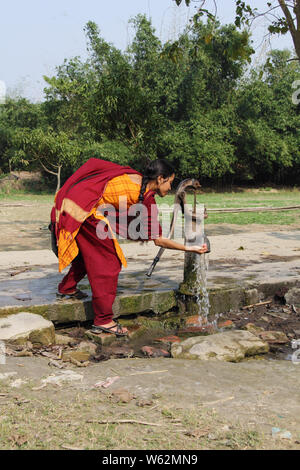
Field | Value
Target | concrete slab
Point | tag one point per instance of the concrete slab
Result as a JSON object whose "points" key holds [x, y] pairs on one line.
{"points": [[239, 263]]}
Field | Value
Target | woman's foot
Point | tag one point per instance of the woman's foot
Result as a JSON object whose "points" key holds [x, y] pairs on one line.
{"points": [[77, 294], [112, 327]]}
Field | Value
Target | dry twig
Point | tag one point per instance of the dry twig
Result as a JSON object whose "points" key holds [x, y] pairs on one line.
{"points": [[257, 305], [125, 421]]}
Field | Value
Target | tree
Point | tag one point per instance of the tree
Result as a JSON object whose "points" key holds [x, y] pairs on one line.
{"points": [[16, 114], [283, 16], [46, 148], [68, 97], [141, 104], [267, 135], [125, 99], [189, 101]]}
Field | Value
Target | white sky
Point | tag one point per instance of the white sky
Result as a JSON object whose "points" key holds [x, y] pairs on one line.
{"points": [[37, 35]]}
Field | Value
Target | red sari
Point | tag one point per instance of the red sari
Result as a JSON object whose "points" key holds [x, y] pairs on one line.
{"points": [[97, 257]]}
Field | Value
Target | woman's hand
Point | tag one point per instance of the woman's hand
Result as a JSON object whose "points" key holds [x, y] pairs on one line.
{"points": [[197, 249], [173, 245]]}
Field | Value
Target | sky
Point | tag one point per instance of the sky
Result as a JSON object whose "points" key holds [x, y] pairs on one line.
{"points": [[37, 35]]}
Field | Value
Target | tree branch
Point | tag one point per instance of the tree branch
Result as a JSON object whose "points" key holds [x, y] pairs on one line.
{"points": [[46, 169], [288, 17], [297, 12]]}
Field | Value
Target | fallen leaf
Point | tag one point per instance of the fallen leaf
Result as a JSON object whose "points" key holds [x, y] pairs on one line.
{"points": [[122, 396], [49, 354], [18, 440], [198, 433], [143, 403], [78, 363], [56, 364], [23, 353]]}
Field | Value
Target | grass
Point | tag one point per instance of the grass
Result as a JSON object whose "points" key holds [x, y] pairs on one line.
{"points": [[249, 198], [246, 198], [262, 218], [57, 418], [28, 190], [27, 196], [55, 423]]}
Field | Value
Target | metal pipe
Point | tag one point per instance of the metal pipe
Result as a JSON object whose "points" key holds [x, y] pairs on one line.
{"points": [[179, 202]]}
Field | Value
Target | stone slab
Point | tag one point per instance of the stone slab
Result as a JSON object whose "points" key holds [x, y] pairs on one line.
{"points": [[229, 346], [292, 297], [25, 326]]}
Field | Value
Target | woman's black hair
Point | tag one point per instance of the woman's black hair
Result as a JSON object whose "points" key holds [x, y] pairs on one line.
{"points": [[154, 169]]}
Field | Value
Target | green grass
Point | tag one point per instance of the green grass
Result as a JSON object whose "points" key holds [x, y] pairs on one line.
{"points": [[259, 198], [242, 199], [250, 198], [262, 218], [26, 190], [27, 196]]}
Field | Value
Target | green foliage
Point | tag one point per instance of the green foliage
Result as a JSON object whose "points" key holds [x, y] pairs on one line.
{"points": [[111, 150], [190, 101], [282, 16], [268, 139], [187, 2]]}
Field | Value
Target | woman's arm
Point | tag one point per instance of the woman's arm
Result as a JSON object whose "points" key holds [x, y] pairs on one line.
{"points": [[172, 245]]}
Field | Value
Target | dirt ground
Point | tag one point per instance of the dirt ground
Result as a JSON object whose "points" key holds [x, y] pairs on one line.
{"points": [[24, 226], [157, 403], [153, 404]]}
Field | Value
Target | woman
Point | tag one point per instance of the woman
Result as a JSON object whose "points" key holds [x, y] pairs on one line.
{"points": [[81, 221]]}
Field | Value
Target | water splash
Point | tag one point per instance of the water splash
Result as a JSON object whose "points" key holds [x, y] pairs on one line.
{"points": [[201, 265], [200, 268]]}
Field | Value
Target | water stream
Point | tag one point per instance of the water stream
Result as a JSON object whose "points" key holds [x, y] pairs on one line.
{"points": [[200, 267], [200, 288]]}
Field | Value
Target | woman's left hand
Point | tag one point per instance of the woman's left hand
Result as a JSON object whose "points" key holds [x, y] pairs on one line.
{"points": [[201, 249]]}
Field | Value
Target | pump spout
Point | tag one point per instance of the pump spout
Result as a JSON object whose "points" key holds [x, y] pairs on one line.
{"points": [[179, 203]]}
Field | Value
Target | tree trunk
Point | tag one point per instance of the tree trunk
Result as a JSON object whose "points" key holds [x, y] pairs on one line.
{"points": [[58, 174], [58, 179], [294, 29]]}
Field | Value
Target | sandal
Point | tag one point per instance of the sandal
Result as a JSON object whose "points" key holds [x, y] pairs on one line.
{"points": [[118, 332], [78, 294]]}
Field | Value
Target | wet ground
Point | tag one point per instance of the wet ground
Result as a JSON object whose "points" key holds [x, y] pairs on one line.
{"points": [[275, 316]]}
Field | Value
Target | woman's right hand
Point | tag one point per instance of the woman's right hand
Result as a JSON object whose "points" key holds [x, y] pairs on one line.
{"points": [[200, 249]]}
